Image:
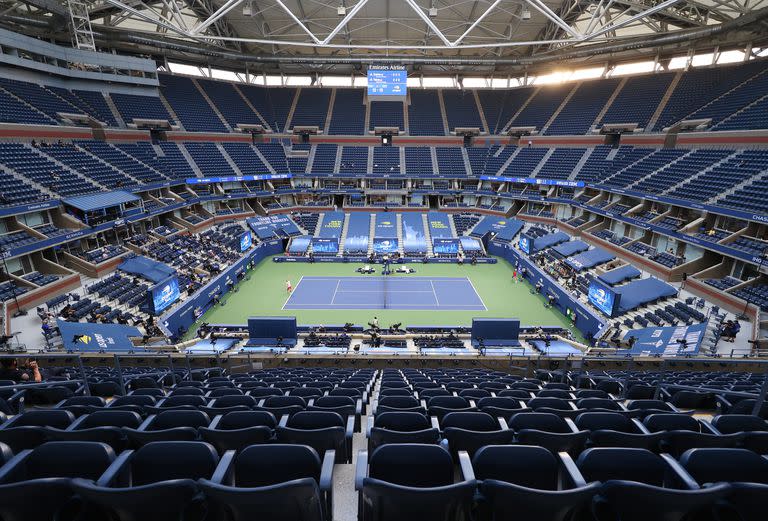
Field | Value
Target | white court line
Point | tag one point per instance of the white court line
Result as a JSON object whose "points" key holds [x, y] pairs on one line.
{"points": [[434, 293], [335, 291], [416, 307], [292, 291], [388, 291], [485, 308]]}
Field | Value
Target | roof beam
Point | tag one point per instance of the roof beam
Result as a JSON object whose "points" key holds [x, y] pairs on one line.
{"points": [[351, 14], [631, 19], [546, 11], [429, 22], [298, 22], [51, 6], [458, 40], [221, 11], [154, 20]]}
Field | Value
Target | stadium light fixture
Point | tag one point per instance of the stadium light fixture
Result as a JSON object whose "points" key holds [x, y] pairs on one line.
{"points": [[526, 14]]}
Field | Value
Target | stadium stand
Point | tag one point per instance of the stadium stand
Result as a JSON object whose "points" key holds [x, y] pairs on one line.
{"points": [[424, 114], [200, 321], [188, 103]]}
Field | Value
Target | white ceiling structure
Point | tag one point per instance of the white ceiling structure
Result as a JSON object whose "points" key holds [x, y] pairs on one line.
{"points": [[431, 36]]}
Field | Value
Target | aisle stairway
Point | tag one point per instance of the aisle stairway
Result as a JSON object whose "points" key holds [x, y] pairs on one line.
{"points": [[427, 235], [343, 238], [371, 231]]}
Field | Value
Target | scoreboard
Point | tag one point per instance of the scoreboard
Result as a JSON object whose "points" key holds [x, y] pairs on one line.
{"points": [[387, 81]]}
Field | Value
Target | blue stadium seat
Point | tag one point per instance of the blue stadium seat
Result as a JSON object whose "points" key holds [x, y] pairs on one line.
{"points": [[281, 482], [410, 481], [157, 481]]}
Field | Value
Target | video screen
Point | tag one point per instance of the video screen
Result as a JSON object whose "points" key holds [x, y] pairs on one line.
{"points": [[164, 294], [384, 245], [321, 245], [602, 298], [245, 241], [525, 244], [445, 246], [389, 81]]}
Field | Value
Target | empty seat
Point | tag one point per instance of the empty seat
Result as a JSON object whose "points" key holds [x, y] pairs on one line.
{"points": [[555, 393], [681, 432], [640, 392], [263, 392], [469, 431], [639, 485], [186, 391], [229, 403], [346, 406], [475, 394], [178, 402], [79, 405], [137, 404], [439, 406], [752, 430], [604, 404], [148, 391], [549, 431], [399, 403], [105, 426], [239, 429], [56, 418], [519, 394], [526, 482], [746, 472], [47, 395], [424, 394], [173, 425], [105, 389], [650, 406], [157, 481], [280, 405], [611, 429], [545, 404], [357, 393], [35, 485], [400, 427], [321, 430], [591, 393], [308, 393], [410, 481], [498, 406], [275, 482]]}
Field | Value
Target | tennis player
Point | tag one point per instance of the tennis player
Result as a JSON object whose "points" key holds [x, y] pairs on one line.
{"points": [[288, 286]]}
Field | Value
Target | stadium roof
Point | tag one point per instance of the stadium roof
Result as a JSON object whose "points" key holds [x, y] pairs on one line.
{"points": [[432, 36]]}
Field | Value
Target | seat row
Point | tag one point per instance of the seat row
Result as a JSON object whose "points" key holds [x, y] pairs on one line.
{"points": [[174, 480], [235, 430], [659, 432]]}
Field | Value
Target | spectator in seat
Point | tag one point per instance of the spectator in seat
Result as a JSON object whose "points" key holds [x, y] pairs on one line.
{"points": [[9, 370]]}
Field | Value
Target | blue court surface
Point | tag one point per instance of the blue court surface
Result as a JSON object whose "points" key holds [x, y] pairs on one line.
{"points": [[417, 293]]}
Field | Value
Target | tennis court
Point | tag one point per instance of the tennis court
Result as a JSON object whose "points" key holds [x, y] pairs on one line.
{"points": [[417, 293]]}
